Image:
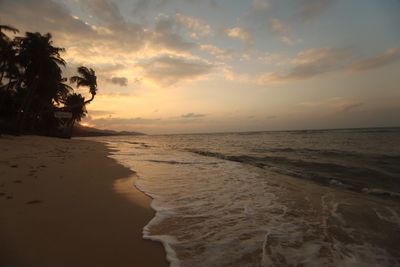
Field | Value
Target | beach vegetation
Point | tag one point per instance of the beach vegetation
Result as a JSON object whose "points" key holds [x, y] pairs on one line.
{"points": [[33, 89], [87, 77]]}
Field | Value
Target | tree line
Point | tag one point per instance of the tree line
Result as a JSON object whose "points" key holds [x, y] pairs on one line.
{"points": [[32, 86]]}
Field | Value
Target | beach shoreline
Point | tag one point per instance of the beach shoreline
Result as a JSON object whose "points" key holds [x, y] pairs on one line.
{"points": [[67, 203]]}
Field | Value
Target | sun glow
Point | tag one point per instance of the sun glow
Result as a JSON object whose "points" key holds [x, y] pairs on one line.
{"points": [[85, 124]]}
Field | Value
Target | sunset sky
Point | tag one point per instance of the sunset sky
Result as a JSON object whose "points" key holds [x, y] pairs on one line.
{"points": [[181, 66]]}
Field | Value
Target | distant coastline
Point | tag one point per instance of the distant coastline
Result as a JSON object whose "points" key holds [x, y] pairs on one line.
{"points": [[383, 128], [84, 131]]}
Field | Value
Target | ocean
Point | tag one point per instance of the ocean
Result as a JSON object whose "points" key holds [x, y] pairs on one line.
{"points": [[290, 198]]}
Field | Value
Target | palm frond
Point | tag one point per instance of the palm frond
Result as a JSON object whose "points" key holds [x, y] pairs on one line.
{"points": [[8, 28]]}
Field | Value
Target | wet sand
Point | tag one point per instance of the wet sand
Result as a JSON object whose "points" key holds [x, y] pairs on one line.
{"points": [[65, 203]]}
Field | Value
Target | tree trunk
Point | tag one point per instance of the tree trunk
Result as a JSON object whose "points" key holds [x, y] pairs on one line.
{"points": [[25, 107], [27, 102], [69, 134], [90, 100]]}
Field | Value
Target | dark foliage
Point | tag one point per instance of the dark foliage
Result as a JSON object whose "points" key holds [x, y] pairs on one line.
{"points": [[32, 87]]}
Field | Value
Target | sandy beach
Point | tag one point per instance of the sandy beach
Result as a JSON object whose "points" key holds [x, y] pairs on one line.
{"points": [[65, 203]]}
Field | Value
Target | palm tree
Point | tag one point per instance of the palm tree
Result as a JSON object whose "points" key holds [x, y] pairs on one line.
{"points": [[50, 101], [41, 63], [75, 103], [87, 78], [9, 70], [39, 57], [7, 28], [7, 50], [62, 91]]}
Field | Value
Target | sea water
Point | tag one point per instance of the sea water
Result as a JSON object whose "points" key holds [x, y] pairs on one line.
{"points": [[293, 198]]}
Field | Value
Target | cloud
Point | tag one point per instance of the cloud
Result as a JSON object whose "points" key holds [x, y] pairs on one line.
{"points": [[310, 63], [283, 31], [166, 35], [390, 56], [213, 4], [135, 122], [219, 53], [44, 16], [100, 113], [272, 58], [346, 107], [240, 34], [311, 9], [118, 123], [105, 11], [168, 70], [142, 8], [107, 30], [313, 62], [271, 117], [336, 104], [279, 27], [108, 69], [260, 4], [121, 81], [198, 28], [113, 94], [193, 115], [111, 30]]}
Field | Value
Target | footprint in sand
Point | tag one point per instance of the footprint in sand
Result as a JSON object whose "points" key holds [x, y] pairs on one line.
{"points": [[14, 166], [33, 202], [17, 181]]}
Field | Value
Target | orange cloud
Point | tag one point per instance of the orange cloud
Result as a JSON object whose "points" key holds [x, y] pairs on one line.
{"points": [[308, 64], [168, 70], [283, 31], [390, 56], [241, 34]]}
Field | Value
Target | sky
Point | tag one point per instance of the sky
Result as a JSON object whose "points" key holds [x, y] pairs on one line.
{"points": [[187, 66]]}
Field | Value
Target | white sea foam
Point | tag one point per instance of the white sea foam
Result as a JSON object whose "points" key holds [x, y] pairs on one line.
{"points": [[214, 212], [391, 216], [378, 191]]}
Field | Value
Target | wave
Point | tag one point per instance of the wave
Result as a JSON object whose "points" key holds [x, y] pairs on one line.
{"points": [[348, 176], [172, 162], [380, 192], [329, 152]]}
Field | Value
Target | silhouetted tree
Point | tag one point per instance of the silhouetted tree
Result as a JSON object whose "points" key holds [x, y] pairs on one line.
{"points": [[75, 103], [87, 78], [7, 28], [41, 62], [32, 87], [8, 75], [7, 51]]}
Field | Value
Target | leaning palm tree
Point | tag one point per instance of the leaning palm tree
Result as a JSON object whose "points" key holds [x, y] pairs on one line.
{"points": [[7, 28], [87, 78], [75, 103]]}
